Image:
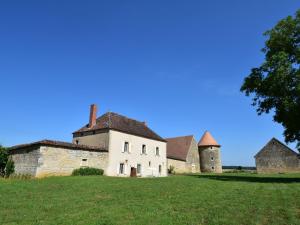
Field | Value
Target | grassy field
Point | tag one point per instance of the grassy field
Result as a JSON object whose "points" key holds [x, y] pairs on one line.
{"points": [[197, 199]]}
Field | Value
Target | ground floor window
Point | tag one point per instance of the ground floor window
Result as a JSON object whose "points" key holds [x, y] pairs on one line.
{"points": [[122, 168], [159, 168], [138, 168]]}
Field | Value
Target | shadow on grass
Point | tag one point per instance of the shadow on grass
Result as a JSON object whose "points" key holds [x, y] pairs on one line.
{"points": [[249, 178]]}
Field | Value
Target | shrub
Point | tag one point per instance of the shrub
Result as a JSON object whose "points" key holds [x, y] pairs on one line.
{"points": [[3, 160], [171, 170], [9, 168], [21, 176], [87, 171]]}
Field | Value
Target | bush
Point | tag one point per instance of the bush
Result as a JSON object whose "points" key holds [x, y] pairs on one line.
{"points": [[171, 170], [9, 168], [87, 171], [3, 160]]}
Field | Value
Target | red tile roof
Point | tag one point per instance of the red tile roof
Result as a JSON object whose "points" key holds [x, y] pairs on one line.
{"points": [[57, 144], [178, 147], [121, 123], [208, 140]]}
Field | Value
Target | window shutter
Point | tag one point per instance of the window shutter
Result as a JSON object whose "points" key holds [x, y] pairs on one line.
{"points": [[123, 146], [129, 147]]}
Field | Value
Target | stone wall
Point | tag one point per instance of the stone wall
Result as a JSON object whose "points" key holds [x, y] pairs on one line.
{"points": [[179, 166], [58, 161], [193, 160], [88, 138], [277, 158], [26, 160], [210, 159]]}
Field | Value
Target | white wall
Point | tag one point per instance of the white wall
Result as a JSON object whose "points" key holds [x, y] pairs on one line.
{"points": [[134, 156]]}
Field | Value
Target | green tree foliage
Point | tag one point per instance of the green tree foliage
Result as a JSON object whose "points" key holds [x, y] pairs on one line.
{"points": [[275, 84], [7, 166], [3, 160]]}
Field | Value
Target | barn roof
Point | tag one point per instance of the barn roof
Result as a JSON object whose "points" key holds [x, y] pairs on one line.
{"points": [[178, 147], [208, 140], [57, 144], [279, 142], [121, 123]]}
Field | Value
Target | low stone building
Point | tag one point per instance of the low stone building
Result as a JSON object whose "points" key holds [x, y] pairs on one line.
{"points": [[276, 157], [119, 145], [50, 158], [183, 155], [186, 156]]}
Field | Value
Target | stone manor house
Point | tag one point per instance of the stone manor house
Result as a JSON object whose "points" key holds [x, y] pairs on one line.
{"points": [[121, 147]]}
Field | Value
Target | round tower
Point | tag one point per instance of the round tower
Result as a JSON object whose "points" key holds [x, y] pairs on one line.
{"points": [[210, 156]]}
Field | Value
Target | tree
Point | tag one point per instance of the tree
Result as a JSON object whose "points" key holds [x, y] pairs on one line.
{"points": [[275, 84], [3, 160], [7, 166]]}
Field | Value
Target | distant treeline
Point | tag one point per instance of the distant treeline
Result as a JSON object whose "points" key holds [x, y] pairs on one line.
{"points": [[238, 167]]}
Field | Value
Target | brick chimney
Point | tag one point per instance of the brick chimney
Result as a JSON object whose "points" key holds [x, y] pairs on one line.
{"points": [[93, 115]]}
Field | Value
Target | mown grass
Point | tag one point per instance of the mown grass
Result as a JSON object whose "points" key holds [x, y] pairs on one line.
{"points": [[196, 199]]}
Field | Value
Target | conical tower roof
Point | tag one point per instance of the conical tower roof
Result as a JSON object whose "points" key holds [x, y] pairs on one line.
{"points": [[208, 140]]}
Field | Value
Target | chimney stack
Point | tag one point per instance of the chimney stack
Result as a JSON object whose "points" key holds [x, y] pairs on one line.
{"points": [[93, 115]]}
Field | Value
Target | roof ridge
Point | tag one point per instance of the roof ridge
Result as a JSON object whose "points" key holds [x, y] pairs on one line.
{"points": [[180, 136]]}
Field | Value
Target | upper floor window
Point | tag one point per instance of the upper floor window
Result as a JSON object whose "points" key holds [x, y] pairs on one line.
{"points": [[126, 146], [144, 149], [212, 158], [157, 151]]}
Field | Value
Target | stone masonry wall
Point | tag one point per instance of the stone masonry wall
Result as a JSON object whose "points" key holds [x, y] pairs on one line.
{"points": [[26, 161], [276, 158], [57, 161], [192, 160]]}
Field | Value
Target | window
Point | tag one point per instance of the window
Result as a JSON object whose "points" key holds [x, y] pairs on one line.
{"points": [[122, 168], [84, 162], [149, 163], [210, 147], [126, 146], [159, 169], [138, 168], [212, 168], [157, 151], [143, 149], [77, 142], [212, 158]]}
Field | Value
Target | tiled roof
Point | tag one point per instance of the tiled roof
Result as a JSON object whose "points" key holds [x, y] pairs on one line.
{"points": [[121, 123], [178, 147], [57, 144], [208, 140]]}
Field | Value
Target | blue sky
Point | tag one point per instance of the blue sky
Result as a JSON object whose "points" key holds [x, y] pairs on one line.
{"points": [[176, 64]]}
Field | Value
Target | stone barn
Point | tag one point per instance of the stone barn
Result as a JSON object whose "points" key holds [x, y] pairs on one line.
{"points": [[276, 157], [186, 156], [183, 155]]}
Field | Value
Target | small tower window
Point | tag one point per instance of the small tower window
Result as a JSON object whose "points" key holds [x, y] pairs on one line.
{"points": [[212, 158], [212, 167], [77, 142], [149, 163]]}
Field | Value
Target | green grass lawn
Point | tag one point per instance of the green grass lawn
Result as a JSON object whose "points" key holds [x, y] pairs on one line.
{"points": [[197, 199]]}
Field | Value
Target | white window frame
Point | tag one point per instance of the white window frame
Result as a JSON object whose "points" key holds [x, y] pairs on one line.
{"points": [[128, 147]]}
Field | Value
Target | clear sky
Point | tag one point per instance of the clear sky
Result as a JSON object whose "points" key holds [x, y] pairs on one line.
{"points": [[178, 65]]}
